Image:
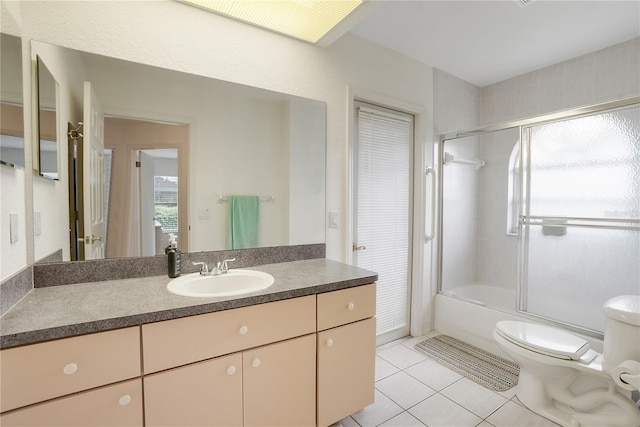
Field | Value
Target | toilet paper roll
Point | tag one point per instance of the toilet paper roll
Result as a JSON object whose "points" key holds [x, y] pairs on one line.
{"points": [[627, 375]]}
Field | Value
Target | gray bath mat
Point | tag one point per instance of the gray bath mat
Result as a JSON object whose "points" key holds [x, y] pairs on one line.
{"points": [[494, 372]]}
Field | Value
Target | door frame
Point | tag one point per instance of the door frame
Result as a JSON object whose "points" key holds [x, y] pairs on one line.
{"points": [[145, 199], [421, 276], [74, 183]]}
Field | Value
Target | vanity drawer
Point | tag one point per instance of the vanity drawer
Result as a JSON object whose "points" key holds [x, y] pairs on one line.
{"points": [[38, 372], [345, 306], [180, 341], [116, 405]]}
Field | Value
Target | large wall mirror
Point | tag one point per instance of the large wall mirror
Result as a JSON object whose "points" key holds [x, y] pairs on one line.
{"points": [[46, 139], [178, 145], [11, 108]]}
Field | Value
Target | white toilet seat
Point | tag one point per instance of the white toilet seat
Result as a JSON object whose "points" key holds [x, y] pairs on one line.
{"points": [[545, 340], [564, 380]]}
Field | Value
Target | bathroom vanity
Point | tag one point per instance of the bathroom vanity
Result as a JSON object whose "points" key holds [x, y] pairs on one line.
{"points": [[299, 353]]}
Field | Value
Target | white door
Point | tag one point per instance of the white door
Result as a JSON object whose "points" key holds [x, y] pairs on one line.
{"points": [[145, 167], [382, 212], [93, 175]]}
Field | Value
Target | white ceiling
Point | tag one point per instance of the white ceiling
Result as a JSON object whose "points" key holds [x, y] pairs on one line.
{"points": [[484, 42]]}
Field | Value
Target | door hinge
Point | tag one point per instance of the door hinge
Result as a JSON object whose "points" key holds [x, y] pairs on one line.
{"points": [[138, 164]]}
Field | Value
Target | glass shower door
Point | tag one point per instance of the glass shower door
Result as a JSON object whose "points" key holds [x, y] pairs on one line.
{"points": [[478, 244], [580, 222]]}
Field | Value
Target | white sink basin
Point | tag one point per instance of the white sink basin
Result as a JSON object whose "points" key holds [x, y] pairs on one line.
{"points": [[235, 282]]}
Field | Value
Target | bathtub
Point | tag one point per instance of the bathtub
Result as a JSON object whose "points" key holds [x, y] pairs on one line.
{"points": [[501, 299], [470, 313]]}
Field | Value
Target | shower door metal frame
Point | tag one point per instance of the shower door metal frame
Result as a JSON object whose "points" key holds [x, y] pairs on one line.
{"points": [[524, 126]]}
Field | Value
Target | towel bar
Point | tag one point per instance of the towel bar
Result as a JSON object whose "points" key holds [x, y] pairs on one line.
{"points": [[263, 199]]}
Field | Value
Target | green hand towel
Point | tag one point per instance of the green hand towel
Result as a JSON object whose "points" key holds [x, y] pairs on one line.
{"points": [[243, 222]]}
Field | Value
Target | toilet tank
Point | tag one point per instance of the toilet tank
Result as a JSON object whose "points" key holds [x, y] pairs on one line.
{"points": [[621, 331]]}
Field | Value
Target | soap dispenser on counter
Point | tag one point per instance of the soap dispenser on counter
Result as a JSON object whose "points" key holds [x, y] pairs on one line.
{"points": [[173, 257]]}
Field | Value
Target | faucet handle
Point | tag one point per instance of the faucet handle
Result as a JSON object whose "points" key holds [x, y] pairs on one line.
{"points": [[225, 266], [204, 268]]}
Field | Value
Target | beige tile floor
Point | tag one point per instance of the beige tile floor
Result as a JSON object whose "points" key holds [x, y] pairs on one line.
{"points": [[412, 390]]}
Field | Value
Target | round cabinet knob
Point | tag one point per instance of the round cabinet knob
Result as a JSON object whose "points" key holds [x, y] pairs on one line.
{"points": [[231, 370], [70, 369], [351, 306], [255, 363], [124, 400], [243, 330], [329, 342]]}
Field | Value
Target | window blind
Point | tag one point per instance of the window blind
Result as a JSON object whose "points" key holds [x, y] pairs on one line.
{"points": [[384, 143]]}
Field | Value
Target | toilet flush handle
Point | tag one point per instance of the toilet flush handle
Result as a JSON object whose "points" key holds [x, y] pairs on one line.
{"points": [[627, 375], [633, 380]]}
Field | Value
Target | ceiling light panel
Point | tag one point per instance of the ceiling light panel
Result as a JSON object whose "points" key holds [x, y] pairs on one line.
{"points": [[307, 20]]}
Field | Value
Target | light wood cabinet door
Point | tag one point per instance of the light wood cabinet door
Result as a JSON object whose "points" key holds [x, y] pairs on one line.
{"points": [[279, 383], [118, 405], [203, 394], [346, 370], [38, 372]]}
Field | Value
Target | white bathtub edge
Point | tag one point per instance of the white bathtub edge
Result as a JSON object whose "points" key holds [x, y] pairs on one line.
{"points": [[474, 324], [469, 322]]}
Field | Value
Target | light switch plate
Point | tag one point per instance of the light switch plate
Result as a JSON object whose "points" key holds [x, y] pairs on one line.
{"points": [[13, 227], [334, 219]]}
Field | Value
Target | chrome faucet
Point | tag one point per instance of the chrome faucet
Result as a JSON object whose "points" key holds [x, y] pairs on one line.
{"points": [[223, 267], [204, 269], [220, 268]]}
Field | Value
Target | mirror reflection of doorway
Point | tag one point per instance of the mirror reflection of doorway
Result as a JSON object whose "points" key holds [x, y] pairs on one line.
{"points": [[148, 202], [158, 198]]}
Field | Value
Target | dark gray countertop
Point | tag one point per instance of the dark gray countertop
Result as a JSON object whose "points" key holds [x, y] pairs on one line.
{"points": [[69, 310]]}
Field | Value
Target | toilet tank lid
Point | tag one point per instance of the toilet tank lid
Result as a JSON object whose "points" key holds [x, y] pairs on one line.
{"points": [[624, 308], [543, 339]]}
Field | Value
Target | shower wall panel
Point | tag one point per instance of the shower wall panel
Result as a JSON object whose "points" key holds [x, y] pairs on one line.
{"points": [[460, 215]]}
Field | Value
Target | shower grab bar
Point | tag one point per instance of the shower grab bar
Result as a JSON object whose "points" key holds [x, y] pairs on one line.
{"points": [[450, 158], [560, 221], [430, 171]]}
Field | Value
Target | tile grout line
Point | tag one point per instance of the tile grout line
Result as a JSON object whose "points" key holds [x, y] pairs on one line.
{"points": [[426, 398], [394, 369], [483, 419]]}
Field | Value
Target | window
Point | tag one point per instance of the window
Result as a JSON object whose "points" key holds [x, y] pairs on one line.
{"points": [[166, 202]]}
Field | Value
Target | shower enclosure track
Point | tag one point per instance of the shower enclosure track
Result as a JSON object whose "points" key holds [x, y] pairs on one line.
{"points": [[542, 119]]}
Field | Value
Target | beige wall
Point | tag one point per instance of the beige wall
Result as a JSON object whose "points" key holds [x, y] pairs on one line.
{"points": [[600, 76]]}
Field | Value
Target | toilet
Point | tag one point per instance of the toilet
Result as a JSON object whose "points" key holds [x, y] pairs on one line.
{"points": [[564, 380]]}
